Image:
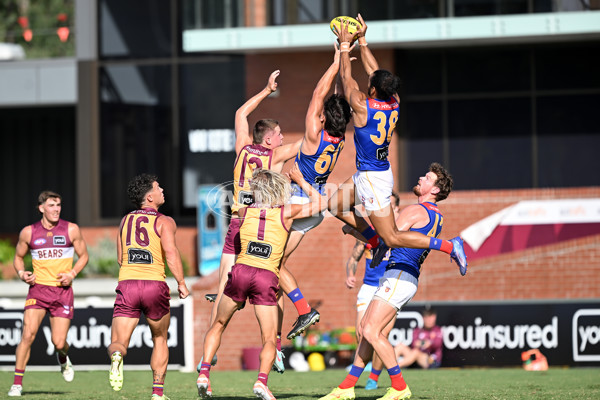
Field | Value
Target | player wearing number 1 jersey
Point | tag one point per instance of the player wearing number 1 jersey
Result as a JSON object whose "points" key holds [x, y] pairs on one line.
{"points": [[264, 231], [146, 240], [375, 117], [261, 148]]}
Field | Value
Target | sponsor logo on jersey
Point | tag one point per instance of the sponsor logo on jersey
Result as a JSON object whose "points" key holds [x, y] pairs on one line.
{"points": [[49, 253], [59, 240], [245, 198], [321, 180], [39, 242], [378, 105], [257, 249], [382, 153], [139, 256], [259, 152]]}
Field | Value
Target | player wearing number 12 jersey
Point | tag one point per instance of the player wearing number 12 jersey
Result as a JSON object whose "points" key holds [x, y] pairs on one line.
{"points": [[145, 237], [375, 118], [261, 148]]}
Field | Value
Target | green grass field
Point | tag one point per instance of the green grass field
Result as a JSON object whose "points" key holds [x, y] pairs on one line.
{"points": [[451, 384]]}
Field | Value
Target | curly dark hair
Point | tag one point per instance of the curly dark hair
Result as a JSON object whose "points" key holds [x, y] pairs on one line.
{"points": [[337, 115], [138, 187], [385, 84], [444, 181]]}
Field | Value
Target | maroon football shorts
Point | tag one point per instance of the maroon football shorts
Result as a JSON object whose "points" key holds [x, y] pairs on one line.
{"points": [[57, 300], [136, 296], [259, 286], [232, 240]]}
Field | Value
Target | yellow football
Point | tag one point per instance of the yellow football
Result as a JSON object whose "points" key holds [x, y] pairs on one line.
{"points": [[353, 25]]}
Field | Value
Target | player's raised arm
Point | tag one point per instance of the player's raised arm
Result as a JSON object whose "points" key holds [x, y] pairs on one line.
{"points": [[351, 90], [315, 107], [243, 135], [368, 60]]}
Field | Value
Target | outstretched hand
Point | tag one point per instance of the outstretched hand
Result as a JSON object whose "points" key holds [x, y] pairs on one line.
{"points": [[363, 27], [343, 35], [272, 83]]}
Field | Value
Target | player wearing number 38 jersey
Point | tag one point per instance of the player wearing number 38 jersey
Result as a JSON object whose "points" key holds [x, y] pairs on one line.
{"points": [[375, 118], [372, 140]]}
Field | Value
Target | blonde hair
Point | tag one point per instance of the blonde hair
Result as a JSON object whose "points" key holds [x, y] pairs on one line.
{"points": [[269, 188]]}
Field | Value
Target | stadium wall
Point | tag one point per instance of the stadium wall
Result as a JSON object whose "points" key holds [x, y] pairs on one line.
{"points": [[566, 270]]}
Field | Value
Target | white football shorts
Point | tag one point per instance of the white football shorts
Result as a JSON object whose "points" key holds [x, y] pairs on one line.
{"points": [[364, 297], [374, 188], [397, 288]]}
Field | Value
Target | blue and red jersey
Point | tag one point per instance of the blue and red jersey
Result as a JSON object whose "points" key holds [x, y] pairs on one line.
{"points": [[317, 167], [410, 260], [373, 139]]}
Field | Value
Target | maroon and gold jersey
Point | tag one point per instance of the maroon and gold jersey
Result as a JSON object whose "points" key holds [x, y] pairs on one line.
{"points": [[51, 252], [142, 253], [263, 236], [251, 157]]}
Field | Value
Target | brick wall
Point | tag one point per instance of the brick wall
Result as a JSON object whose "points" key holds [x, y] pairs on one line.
{"points": [[567, 270], [561, 271]]}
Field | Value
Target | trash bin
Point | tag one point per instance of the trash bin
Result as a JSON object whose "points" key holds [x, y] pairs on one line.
{"points": [[251, 358]]}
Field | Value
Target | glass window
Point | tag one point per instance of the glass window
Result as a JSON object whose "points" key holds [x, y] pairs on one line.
{"points": [[424, 143], [569, 139], [38, 144], [572, 66], [199, 14], [150, 36], [490, 143], [421, 72], [464, 8], [488, 70], [212, 93], [135, 132]]}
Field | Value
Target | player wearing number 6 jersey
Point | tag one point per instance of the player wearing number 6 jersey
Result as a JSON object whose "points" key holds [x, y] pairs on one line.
{"points": [[145, 237], [375, 117], [325, 128], [255, 276]]}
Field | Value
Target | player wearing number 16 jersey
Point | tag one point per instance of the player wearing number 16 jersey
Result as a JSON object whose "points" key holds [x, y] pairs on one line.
{"points": [[375, 118], [145, 237]]}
